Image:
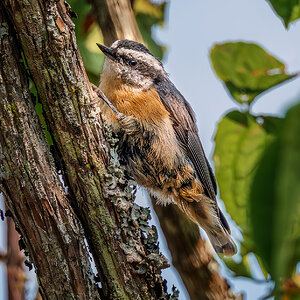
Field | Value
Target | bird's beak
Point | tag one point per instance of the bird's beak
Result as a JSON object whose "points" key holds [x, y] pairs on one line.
{"points": [[110, 53]]}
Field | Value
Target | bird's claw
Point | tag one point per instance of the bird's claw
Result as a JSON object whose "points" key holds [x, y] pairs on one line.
{"points": [[128, 123]]}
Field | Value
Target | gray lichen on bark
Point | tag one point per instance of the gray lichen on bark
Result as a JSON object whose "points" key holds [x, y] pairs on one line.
{"points": [[132, 217]]}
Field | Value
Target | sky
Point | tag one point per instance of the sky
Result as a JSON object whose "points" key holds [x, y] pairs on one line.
{"points": [[191, 29]]}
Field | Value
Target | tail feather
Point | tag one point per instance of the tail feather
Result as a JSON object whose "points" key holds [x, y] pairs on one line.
{"points": [[222, 243], [213, 222]]}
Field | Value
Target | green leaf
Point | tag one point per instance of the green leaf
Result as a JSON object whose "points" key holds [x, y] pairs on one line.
{"points": [[275, 200], [247, 69], [294, 296], [287, 10], [240, 142], [262, 204], [287, 209], [147, 15], [241, 268]]}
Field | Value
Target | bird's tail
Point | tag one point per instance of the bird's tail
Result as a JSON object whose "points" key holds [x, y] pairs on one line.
{"points": [[212, 221], [222, 242]]}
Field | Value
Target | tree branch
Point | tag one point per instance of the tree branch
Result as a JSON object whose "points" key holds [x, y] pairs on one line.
{"points": [[32, 190], [191, 256], [116, 20]]}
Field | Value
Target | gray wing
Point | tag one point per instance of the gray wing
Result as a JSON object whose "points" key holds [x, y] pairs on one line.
{"points": [[187, 133]]}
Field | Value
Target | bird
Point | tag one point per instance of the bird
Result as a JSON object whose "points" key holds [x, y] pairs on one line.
{"points": [[159, 143]]}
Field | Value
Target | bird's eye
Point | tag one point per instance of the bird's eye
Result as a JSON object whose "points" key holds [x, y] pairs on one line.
{"points": [[133, 63]]}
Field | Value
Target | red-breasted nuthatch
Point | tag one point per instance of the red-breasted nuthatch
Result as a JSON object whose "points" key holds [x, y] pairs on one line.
{"points": [[159, 140]]}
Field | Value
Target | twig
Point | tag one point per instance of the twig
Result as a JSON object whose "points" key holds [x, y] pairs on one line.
{"points": [[101, 95]]}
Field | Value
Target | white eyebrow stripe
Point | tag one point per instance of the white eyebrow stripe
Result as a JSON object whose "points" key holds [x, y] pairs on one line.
{"points": [[148, 58], [115, 44]]}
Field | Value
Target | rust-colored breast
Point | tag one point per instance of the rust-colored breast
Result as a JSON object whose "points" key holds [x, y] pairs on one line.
{"points": [[146, 106]]}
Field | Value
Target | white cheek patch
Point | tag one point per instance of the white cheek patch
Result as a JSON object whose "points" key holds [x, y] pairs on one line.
{"points": [[114, 69], [136, 78], [144, 82]]}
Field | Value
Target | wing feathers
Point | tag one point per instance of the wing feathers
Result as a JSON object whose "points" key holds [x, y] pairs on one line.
{"points": [[196, 154], [187, 133]]}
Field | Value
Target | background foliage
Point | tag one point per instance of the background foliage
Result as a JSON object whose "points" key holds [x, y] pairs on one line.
{"points": [[257, 161]]}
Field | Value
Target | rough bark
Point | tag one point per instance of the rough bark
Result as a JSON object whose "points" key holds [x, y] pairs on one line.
{"points": [[16, 274], [123, 245], [32, 190], [190, 255]]}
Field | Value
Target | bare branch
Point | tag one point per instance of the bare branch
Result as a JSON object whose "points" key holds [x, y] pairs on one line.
{"points": [[116, 20], [192, 257]]}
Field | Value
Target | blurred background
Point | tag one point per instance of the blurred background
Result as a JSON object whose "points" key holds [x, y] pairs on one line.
{"points": [[234, 87]]}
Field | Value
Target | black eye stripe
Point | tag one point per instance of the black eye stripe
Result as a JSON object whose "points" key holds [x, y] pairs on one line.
{"points": [[127, 60], [142, 67]]}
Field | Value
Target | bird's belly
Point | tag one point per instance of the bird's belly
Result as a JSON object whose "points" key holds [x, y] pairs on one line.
{"points": [[152, 157], [156, 162]]}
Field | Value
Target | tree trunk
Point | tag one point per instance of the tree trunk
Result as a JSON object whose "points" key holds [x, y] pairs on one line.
{"points": [[123, 245], [33, 193]]}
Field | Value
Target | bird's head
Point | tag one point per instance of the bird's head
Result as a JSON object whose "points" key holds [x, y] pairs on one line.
{"points": [[133, 63]]}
